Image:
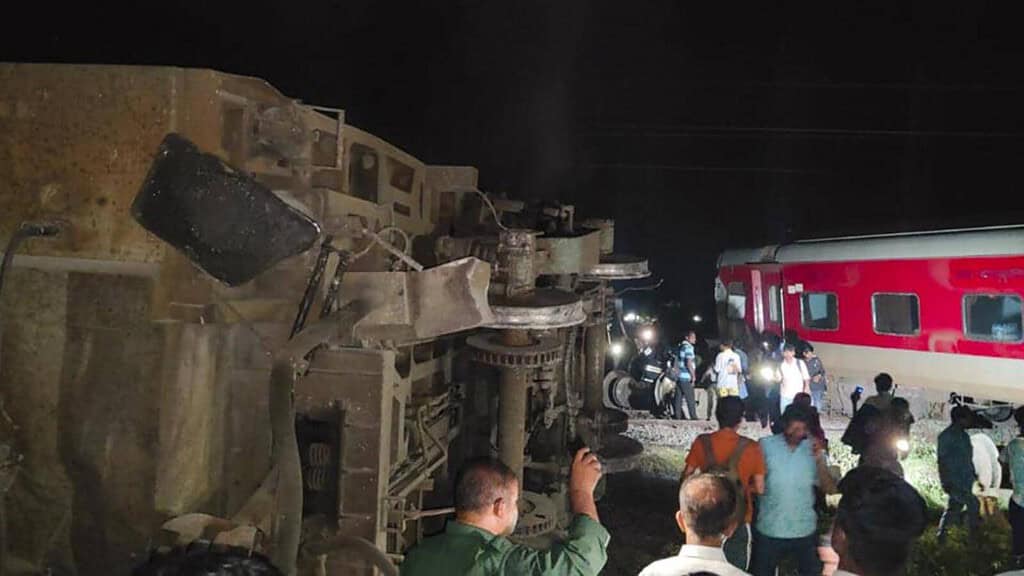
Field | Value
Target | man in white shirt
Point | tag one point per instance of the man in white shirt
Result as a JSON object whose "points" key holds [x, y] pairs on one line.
{"points": [[794, 377], [728, 368], [707, 507]]}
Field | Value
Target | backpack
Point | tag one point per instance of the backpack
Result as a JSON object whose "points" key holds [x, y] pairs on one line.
{"points": [[729, 469], [858, 431]]}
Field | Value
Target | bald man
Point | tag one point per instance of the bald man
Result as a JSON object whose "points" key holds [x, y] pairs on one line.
{"points": [[707, 515]]}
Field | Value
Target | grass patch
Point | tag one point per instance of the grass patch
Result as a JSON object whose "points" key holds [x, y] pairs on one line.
{"points": [[990, 554], [662, 461]]}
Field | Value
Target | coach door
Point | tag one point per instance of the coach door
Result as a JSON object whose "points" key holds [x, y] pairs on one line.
{"points": [[766, 291]]}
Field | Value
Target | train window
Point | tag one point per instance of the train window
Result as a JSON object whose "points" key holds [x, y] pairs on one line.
{"points": [[737, 303], [774, 304], [994, 317], [898, 314], [362, 172], [401, 175], [819, 310]]}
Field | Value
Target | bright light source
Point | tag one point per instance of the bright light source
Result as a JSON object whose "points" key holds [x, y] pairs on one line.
{"points": [[767, 373], [903, 445], [647, 334], [630, 317], [616, 349], [697, 319]]}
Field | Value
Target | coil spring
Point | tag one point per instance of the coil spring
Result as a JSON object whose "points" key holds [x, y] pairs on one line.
{"points": [[316, 473]]}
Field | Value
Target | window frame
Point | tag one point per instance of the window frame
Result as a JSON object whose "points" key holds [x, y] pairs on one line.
{"points": [[729, 292], [976, 338], [803, 317], [874, 314], [774, 303]]}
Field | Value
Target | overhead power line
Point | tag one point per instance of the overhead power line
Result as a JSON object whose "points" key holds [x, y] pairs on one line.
{"points": [[692, 168], [698, 130]]}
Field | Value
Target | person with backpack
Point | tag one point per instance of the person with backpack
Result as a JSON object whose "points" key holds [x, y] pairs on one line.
{"points": [[728, 368], [793, 377], [787, 524], [740, 460]]}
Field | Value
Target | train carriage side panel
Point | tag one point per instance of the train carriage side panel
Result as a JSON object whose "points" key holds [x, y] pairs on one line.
{"points": [[940, 324]]}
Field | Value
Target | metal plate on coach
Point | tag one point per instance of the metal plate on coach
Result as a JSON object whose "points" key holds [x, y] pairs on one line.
{"points": [[223, 220]]}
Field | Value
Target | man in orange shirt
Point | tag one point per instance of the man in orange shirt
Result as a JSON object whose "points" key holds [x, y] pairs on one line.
{"points": [[739, 458]]}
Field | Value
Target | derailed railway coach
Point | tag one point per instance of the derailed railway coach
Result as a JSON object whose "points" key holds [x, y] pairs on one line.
{"points": [[939, 311], [230, 318]]}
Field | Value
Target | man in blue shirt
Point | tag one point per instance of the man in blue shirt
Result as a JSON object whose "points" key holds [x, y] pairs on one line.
{"points": [[786, 524], [956, 473], [687, 376]]}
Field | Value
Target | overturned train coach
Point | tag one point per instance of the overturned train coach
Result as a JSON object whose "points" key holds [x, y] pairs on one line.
{"points": [[939, 311], [232, 318]]}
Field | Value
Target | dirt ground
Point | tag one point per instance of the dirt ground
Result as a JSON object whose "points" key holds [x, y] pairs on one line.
{"points": [[638, 506]]}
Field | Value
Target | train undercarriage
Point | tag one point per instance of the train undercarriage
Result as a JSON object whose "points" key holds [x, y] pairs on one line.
{"points": [[246, 323]]}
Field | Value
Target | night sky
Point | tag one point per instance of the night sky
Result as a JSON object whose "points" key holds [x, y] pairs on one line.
{"points": [[698, 126]]}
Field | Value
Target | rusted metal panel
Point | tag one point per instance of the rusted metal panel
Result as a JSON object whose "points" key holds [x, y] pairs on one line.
{"points": [[192, 410], [364, 379], [34, 312], [75, 142], [108, 419]]}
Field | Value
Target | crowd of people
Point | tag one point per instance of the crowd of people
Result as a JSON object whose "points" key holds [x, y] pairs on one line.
{"points": [[792, 367], [744, 506]]}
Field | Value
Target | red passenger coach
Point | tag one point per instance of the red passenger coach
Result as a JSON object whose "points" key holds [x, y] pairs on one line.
{"points": [[940, 311]]}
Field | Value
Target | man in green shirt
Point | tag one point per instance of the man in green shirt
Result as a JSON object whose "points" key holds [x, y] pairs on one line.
{"points": [[486, 512]]}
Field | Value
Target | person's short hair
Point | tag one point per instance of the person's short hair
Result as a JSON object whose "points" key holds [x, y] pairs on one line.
{"points": [[961, 413], [480, 483], [882, 515], [708, 504], [727, 342], [808, 347], [797, 413], [789, 348], [883, 382], [1018, 415], [729, 411], [202, 560], [802, 398]]}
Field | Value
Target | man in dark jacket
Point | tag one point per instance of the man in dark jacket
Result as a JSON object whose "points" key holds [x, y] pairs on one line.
{"points": [[956, 473]]}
